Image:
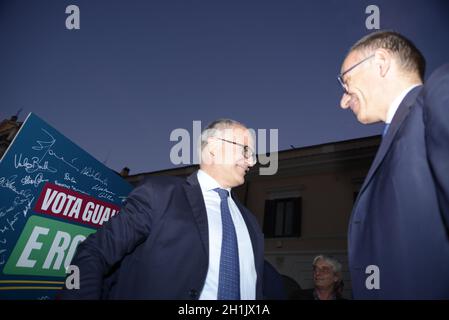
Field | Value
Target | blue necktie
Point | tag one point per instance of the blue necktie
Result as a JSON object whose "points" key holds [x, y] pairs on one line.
{"points": [[229, 275], [387, 125]]}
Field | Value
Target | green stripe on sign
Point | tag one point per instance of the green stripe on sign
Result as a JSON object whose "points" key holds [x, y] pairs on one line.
{"points": [[45, 247]]}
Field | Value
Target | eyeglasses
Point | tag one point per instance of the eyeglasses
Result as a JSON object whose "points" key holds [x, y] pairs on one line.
{"points": [[246, 151], [340, 76], [323, 270]]}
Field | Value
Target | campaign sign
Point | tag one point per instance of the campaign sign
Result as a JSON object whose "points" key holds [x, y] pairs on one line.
{"points": [[53, 195]]}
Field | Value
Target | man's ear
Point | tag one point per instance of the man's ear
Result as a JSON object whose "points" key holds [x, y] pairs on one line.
{"points": [[382, 60], [207, 156]]}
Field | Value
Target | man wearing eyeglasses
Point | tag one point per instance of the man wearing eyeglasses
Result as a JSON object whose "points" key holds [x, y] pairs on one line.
{"points": [[181, 238], [398, 231]]}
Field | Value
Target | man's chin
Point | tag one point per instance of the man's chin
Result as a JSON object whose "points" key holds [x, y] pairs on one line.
{"points": [[243, 170], [240, 180], [361, 119], [365, 120]]}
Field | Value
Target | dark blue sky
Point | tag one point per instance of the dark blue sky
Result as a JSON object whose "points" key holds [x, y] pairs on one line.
{"points": [[136, 70]]}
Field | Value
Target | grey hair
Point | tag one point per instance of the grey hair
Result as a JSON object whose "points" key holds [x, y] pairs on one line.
{"points": [[335, 264], [409, 57], [216, 126]]}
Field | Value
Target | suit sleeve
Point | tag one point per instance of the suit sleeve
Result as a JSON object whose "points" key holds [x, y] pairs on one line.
{"points": [[96, 256], [436, 118]]}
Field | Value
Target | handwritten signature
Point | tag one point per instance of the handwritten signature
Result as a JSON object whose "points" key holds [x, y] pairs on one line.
{"points": [[67, 177], [11, 223], [104, 195], [3, 213], [9, 183], [33, 165], [15, 219], [47, 147], [106, 190], [36, 181], [90, 172], [27, 207], [70, 164]]}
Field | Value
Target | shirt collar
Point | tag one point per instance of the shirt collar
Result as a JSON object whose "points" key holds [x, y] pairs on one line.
{"points": [[396, 102], [208, 183]]}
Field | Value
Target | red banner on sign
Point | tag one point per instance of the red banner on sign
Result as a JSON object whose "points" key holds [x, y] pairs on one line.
{"points": [[67, 204]]}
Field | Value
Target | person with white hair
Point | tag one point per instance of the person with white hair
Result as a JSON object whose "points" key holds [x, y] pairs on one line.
{"points": [[327, 278]]}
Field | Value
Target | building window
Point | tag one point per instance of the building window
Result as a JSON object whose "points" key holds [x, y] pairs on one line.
{"points": [[282, 218]]}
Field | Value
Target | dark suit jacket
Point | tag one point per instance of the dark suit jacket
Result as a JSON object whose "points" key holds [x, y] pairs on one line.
{"points": [[273, 283], [157, 247], [399, 220]]}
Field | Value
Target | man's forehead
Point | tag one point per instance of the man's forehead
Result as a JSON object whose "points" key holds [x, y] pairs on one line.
{"points": [[322, 262], [350, 60]]}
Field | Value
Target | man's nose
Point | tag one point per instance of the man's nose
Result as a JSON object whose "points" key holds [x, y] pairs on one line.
{"points": [[251, 161], [344, 102]]}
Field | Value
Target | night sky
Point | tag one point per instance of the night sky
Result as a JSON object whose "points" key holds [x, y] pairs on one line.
{"points": [[136, 70]]}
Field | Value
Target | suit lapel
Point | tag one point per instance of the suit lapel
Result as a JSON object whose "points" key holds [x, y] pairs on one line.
{"points": [[195, 198], [400, 115]]}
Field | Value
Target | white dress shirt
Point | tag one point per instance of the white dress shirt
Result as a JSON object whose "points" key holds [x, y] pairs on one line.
{"points": [[248, 275], [396, 102]]}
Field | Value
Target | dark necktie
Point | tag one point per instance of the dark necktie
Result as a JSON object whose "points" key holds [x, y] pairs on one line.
{"points": [[229, 275]]}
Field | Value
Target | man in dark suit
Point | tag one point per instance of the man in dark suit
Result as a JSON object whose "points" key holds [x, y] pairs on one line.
{"points": [[398, 231], [181, 238]]}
